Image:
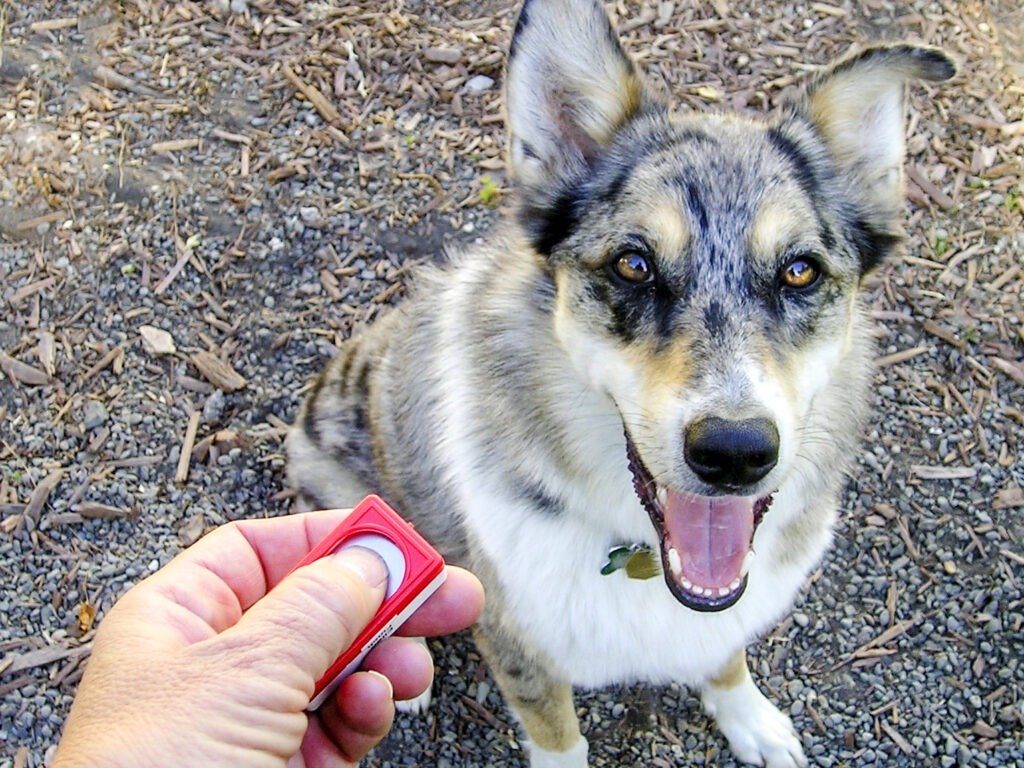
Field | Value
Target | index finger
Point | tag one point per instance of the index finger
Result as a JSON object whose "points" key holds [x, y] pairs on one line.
{"points": [[252, 556], [219, 577]]}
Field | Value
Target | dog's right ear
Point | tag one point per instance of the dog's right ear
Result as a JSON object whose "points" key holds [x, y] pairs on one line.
{"points": [[569, 87]]}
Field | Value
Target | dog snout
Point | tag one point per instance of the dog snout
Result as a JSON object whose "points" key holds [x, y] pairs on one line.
{"points": [[731, 454]]}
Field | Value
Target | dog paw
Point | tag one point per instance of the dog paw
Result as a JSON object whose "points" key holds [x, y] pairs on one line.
{"points": [[421, 703], [417, 706], [758, 733], [574, 757]]}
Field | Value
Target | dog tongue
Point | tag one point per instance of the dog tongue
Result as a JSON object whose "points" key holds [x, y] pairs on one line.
{"points": [[711, 534]]}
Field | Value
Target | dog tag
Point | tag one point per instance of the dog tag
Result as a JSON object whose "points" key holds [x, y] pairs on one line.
{"points": [[642, 564], [638, 561]]}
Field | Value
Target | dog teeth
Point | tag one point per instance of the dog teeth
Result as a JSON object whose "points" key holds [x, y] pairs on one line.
{"points": [[746, 563], [696, 589], [661, 495], [674, 563]]}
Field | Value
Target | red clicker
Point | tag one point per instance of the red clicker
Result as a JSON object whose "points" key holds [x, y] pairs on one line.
{"points": [[415, 571]]}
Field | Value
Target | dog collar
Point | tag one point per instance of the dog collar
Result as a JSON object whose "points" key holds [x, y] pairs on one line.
{"points": [[638, 560]]}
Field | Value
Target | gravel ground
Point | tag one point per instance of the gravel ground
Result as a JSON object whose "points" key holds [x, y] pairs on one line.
{"points": [[199, 200]]}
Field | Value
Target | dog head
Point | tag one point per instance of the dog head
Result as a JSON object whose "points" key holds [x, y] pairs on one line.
{"points": [[706, 268]]}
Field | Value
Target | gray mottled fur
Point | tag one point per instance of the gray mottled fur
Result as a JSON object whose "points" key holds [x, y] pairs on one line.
{"points": [[379, 416]]}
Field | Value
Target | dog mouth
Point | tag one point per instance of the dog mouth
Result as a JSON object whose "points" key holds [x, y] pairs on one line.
{"points": [[706, 541]]}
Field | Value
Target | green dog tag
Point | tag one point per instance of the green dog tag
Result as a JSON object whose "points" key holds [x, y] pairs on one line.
{"points": [[638, 561], [642, 564]]}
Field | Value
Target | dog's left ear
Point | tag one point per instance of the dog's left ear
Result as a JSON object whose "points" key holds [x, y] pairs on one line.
{"points": [[569, 87], [858, 107]]}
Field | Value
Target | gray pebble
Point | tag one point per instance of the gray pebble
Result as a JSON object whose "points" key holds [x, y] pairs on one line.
{"points": [[94, 414], [479, 83]]}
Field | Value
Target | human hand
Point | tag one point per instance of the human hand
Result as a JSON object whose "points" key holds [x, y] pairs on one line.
{"points": [[204, 664]]}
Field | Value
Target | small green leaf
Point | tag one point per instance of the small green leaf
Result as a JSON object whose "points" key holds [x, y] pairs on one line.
{"points": [[489, 190]]}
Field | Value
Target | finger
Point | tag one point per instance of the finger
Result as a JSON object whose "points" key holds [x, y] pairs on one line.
{"points": [[310, 618], [251, 556], [318, 750], [454, 606], [405, 662], [224, 573], [359, 714]]}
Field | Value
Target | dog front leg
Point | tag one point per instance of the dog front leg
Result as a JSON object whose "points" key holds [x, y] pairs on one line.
{"points": [[542, 702], [757, 731]]}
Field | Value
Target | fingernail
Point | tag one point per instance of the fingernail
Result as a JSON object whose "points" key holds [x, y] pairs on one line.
{"points": [[365, 563], [386, 680]]}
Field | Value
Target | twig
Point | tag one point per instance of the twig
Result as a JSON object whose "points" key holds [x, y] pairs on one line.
{"points": [[313, 95], [900, 357], [181, 475]]}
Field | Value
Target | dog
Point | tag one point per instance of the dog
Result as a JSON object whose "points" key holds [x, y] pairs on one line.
{"points": [[659, 367]]}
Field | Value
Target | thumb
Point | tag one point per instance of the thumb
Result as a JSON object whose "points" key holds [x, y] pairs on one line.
{"points": [[316, 612]]}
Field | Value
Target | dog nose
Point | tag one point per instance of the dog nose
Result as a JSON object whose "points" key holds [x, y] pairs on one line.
{"points": [[731, 454]]}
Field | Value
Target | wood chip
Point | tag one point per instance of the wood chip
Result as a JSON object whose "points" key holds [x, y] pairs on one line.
{"points": [[235, 138], [31, 289], [175, 145], [114, 79], [52, 25], [984, 730], [900, 357], [47, 218], [181, 475], [101, 511], [284, 172], [184, 254], [192, 530], [1004, 278], [193, 385], [313, 95], [39, 496], [1010, 555], [829, 10], [1013, 129], [943, 333], [1009, 497], [939, 197], [217, 372], [157, 341], [44, 656], [1014, 370], [135, 461], [46, 351], [926, 472], [443, 55], [709, 93], [896, 737], [111, 357], [22, 373]]}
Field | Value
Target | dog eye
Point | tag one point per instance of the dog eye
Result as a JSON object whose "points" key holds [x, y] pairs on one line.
{"points": [[800, 273], [633, 268]]}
